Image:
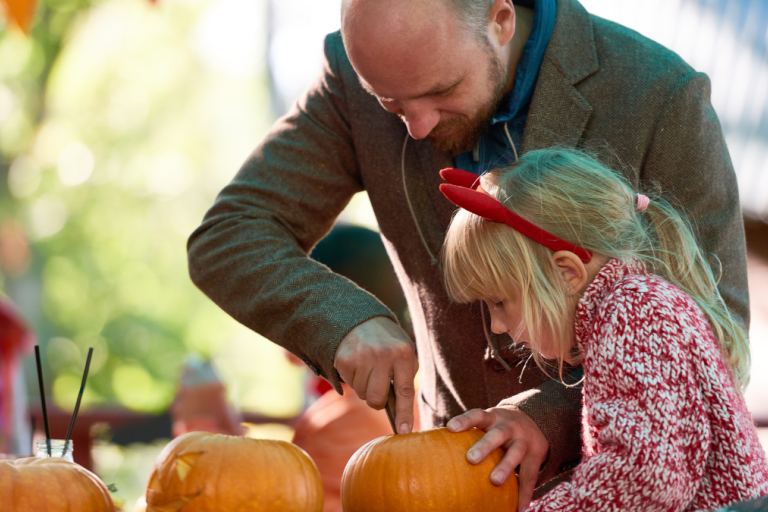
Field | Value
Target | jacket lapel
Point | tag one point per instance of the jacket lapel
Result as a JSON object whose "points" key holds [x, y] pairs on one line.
{"points": [[423, 190], [557, 117], [559, 114]]}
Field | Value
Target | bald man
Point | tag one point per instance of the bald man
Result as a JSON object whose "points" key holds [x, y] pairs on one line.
{"points": [[413, 86]]}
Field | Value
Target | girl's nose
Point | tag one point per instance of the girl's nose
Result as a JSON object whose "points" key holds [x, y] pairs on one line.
{"points": [[497, 326]]}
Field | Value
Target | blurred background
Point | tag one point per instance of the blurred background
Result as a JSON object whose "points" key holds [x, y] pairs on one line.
{"points": [[120, 120]]}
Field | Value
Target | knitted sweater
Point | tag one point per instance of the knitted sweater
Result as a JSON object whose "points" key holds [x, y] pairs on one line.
{"points": [[664, 427]]}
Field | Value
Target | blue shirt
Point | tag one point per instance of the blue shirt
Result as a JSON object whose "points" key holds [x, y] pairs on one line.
{"points": [[494, 149]]}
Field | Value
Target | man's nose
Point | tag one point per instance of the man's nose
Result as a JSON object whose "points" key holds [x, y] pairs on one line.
{"points": [[420, 120]]}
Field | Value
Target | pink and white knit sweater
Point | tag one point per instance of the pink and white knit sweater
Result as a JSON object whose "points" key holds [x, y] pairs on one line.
{"points": [[664, 426]]}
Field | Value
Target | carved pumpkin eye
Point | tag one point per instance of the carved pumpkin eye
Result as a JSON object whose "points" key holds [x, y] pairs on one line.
{"points": [[425, 471], [185, 462], [154, 483]]}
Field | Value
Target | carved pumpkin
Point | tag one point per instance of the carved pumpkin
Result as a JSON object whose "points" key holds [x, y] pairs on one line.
{"points": [[425, 472], [51, 485], [201, 472]]}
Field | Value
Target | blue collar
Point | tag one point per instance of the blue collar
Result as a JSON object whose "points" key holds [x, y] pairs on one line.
{"points": [[511, 114], [517, 100]]}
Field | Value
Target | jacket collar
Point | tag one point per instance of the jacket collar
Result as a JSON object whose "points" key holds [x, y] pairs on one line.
{"points": [[572, 44], [559, 113]]}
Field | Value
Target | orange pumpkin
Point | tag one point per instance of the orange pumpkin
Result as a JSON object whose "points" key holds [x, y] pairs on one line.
{"points": [[51, 485], [201, 472], [21, 12], [425, 472]]}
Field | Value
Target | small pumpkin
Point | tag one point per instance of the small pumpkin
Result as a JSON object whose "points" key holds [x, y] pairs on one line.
{"points": [[51, 485], [200, 472], [21, 12], [425, 472]]}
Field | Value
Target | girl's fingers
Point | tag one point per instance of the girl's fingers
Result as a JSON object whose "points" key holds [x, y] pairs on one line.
{"points": [[509, 462], [529, 473], [476, 418], [494, 438]]}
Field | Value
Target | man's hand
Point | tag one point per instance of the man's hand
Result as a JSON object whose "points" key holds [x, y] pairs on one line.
{"points": [[514, 430], [370, 356]]}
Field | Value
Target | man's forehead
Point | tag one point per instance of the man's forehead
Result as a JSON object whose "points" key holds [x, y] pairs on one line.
{"points": [[436, 86], [404, 49]]}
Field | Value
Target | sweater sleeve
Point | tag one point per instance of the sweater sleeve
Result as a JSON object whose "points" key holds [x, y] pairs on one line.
{"points": [[250, 253], [646, 431]]}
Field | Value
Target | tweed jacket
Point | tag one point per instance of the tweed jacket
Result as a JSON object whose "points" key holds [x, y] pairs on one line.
{"points": [[665, 428], [601, 86]]}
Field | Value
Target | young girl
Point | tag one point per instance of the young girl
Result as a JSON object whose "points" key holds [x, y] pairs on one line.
{"points": [[579, 268]]}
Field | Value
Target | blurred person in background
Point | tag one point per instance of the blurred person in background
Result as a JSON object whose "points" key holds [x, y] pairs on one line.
{"points": [[201, 402], [16, 341], [413, 86]]}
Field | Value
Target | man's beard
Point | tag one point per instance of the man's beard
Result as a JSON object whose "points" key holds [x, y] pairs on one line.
{"points": [[474, 128]]}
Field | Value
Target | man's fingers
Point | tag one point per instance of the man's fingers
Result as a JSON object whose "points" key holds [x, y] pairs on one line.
{"points": [[359, 382], [377, 390], [529, 473], [404, 373]]}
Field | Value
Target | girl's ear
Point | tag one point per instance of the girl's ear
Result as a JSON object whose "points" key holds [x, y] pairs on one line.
{"points": [[572, 270]]}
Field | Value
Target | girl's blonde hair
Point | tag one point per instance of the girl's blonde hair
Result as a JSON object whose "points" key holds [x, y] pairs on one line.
{"points": [[576, 198]]}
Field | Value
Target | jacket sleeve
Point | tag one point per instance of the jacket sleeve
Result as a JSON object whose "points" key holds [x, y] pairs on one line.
{"points": [[648, 432], [250, 253], [689, 161]]}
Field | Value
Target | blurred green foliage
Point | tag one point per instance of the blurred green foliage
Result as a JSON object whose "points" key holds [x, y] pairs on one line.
{"points": [[118, 125]]}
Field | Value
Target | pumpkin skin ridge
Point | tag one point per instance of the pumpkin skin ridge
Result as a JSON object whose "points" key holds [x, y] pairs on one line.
{"points": [[362, 454], [69, 487], [58, 479]]}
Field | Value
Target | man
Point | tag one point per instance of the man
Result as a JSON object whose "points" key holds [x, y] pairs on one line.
{"points": [[462, 83]]}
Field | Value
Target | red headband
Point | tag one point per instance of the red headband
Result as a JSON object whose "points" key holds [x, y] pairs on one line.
{"points": [[463, 189]]}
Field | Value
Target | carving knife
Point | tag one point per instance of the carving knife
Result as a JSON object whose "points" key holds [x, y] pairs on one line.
{"points": [[390, 407]]}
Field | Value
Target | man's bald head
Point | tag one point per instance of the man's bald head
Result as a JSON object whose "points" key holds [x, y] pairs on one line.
{"points": [[469, 15], [440, 65], [473, 16]]}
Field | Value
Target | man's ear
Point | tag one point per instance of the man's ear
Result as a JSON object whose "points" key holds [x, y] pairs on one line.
{"points": [[501, 22], [572, 270]]}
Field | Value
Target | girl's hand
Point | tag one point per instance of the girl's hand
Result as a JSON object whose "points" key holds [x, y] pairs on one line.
{"points": [[515, 431]]}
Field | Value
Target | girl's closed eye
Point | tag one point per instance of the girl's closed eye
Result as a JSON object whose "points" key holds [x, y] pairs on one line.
{"points": [[495, 303]]}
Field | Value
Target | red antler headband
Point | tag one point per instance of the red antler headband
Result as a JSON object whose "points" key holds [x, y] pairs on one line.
{"points": [[463, 189]]}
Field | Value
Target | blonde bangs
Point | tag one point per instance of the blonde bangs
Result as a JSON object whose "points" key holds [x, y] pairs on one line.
{"points": [[476, 264]]}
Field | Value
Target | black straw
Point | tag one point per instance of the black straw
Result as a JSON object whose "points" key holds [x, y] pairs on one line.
{"points": [[77, 405], [42, 398]]}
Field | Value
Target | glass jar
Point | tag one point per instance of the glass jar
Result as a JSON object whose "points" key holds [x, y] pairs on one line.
{"points": [[57, 449]]}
